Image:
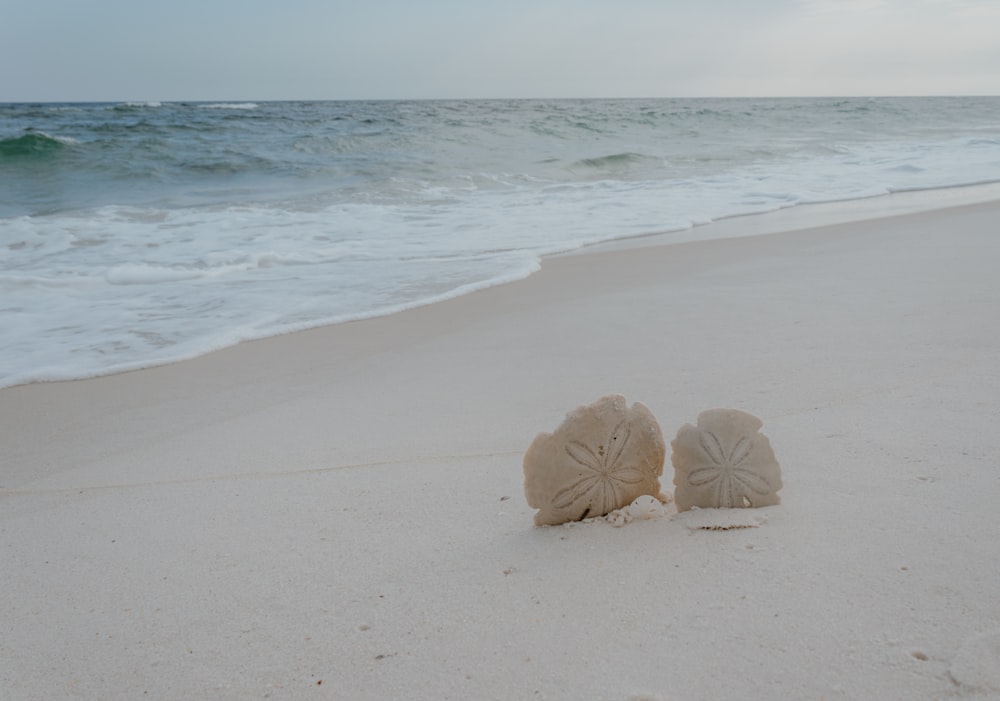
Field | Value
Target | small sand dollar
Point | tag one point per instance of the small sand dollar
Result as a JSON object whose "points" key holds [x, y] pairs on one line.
{"points": [[724, 462], [646, 507], [601, 458]]}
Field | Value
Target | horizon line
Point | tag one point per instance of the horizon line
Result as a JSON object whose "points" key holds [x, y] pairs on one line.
{"points": [[151, 102]]}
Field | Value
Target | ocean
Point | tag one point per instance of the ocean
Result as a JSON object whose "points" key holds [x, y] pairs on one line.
{"points": [[137, 234]]}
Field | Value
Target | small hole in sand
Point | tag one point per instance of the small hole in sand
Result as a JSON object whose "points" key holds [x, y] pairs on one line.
{"points": [[919, 655]]}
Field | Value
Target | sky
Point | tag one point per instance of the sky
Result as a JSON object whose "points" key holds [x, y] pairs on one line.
{"points": [[111, 50]]}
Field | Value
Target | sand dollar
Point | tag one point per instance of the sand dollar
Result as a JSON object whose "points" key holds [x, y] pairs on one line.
{"points": [[601, 458], [646, 507], [724, 462]]}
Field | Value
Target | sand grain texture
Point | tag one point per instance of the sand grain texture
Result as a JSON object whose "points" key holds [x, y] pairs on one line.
{"points": [[339, 513]]}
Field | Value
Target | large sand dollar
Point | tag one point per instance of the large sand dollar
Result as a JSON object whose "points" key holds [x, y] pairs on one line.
{"points": [[601, 458]]}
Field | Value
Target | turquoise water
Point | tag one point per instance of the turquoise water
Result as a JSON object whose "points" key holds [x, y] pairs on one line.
{"points": [[138, 234]]}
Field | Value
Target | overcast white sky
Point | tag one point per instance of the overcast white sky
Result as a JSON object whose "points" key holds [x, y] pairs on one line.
{"points": [[68, 50]]}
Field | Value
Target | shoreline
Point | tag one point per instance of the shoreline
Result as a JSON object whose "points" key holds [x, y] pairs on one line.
{"points": [[345, 504], [793, 218], [813, 215]]}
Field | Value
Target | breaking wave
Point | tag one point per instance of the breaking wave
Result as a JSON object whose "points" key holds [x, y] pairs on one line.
{"points": [[33, 144]]}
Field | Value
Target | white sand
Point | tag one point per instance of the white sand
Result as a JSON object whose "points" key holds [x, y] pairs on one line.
{"points": [[339, 513]]}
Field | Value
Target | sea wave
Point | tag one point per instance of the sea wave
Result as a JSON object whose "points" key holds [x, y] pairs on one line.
{"points": [[34, 144], [163, 230], [615, 162], [144, 274], [231, 106], [214, 265], [136, 105]]}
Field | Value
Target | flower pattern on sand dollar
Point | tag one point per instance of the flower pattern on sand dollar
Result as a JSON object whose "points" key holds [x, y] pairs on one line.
{"points": [[604, 473], [724, 462]]}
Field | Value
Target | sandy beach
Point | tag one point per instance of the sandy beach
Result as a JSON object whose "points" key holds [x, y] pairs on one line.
{"points": [[339, 513]]}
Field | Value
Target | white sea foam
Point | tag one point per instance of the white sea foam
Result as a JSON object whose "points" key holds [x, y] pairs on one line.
{"points": [[231, 106], [67, 140], [144, 274]]}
